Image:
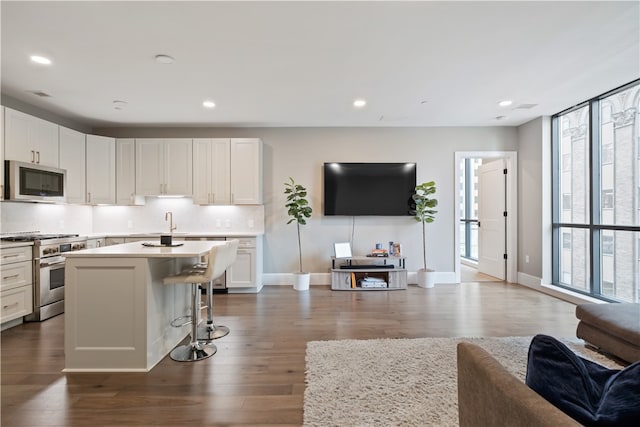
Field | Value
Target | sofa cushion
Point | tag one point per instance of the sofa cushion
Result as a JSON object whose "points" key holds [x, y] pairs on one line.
{"points": [[621, 320], [589, 393]]}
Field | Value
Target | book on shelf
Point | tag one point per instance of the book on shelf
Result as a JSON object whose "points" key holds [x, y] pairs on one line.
{"points": [[373, 282], [378, 253]]}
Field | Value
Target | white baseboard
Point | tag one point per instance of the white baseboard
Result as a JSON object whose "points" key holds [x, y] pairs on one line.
{"points": [[535, 283], [279, 279]]}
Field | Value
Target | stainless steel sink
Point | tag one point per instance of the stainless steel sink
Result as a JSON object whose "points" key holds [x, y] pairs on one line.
{"points": [[157, 234]]}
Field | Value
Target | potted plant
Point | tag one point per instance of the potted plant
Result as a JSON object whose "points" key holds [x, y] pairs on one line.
{"points": [[298, 210], [425, 213]]}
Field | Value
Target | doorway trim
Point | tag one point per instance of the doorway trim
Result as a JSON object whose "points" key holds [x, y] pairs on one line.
{"points": [[511, 159]]}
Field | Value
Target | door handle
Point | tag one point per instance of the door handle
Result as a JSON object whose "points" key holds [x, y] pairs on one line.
{"points": [[478, 224], [33, 156], [38, 157]]}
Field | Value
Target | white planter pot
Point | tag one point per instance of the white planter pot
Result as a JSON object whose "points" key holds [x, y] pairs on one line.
{"points": [[426, 278], [301, 281]]}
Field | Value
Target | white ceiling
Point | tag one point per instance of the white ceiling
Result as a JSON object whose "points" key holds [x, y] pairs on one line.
{"points": [[303, 63]]}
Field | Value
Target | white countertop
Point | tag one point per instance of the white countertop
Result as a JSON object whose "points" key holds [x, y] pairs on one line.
{"points": [[175, 235], [137, 250]]}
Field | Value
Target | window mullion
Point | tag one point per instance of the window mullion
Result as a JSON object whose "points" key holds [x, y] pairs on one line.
{"points": [[596, 197]]}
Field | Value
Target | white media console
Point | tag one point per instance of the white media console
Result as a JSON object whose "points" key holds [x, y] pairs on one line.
{"points": [[368, 273]]}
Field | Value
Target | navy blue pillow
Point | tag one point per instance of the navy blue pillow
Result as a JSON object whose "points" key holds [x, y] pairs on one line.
{"points": [[589, 393]]}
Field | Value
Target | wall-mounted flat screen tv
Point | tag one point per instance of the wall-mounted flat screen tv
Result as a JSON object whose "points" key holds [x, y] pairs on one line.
{"points": [[382, 189]]}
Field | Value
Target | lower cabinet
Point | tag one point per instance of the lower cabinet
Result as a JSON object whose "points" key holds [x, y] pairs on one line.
{"points": [[96, 243], [109, 241], [16, 286], [245, 275]]}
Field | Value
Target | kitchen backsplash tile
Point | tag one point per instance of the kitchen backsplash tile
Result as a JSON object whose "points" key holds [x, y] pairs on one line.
{"points": [[57, 218], [187, 216], [45, 217]]}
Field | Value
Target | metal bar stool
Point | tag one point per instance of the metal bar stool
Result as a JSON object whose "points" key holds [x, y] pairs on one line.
{"points": [[211, 331], [220, 258]]}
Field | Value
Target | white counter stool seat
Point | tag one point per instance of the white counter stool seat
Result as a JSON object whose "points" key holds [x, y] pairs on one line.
{"points": [[220, 258]]}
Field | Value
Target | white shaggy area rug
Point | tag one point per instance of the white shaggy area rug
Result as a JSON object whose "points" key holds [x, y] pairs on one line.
{"points": [[400, 382]]}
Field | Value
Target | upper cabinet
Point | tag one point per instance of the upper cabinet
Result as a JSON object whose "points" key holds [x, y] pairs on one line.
{"points": [[101, 170], [164, 166], [246, 171], [30, 139], [126, 173], [211, 171], [72, 158], [227, 171]]}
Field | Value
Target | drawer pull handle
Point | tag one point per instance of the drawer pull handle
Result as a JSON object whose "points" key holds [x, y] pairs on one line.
{"points": [[10, 277], [4, 307], [10, 256]]}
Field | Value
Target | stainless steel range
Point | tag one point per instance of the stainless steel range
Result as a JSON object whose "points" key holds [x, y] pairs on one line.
{"points": [[48, 270]]}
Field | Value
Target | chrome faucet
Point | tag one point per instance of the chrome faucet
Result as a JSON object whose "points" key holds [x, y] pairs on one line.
{"points": [[168, 216]]}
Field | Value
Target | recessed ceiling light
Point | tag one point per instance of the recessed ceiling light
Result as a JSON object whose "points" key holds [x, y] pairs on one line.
{"points": [[505, 103], [40, 60], [208, 104], [119, 105], [164, 59], [359, 103]]}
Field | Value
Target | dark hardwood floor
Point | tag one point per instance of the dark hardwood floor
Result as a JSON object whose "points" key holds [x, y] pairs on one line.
{"points": [[257, 376]]}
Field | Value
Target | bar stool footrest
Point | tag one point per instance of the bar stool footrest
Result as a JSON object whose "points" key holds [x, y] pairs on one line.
{"points": [[179, 325]]}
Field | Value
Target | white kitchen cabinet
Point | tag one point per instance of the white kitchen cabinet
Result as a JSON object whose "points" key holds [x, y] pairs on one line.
{"points": [[164, 166], [110, 241], [96, 243], [246, 171], [126, 173], [72, 158], [227, 171], [101, 170], [30, 139], [16, 285], [245, 274], [211, 171]]}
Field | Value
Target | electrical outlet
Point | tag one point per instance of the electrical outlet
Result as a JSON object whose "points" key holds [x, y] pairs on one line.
{"points": [[526, 259], [251, 223], [129, 224], [61, 224]]}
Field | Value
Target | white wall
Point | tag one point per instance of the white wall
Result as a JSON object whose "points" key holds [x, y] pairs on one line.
{"points": [[301, 152], [534, 203]]}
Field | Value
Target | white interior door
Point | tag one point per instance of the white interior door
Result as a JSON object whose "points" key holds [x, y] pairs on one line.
{"points": [[491, 209]]}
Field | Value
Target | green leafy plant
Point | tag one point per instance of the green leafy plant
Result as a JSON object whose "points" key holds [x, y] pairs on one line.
{"points": [[298, 208], [424, 212]]}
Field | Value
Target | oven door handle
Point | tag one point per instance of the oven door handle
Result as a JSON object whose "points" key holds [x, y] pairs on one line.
{"points": [[52, 262]]}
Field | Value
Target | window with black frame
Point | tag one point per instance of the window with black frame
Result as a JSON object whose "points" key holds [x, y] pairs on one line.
{"points": [[596, 196]]}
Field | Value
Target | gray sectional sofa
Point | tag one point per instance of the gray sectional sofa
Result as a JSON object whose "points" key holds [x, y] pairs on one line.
{"points": [[611, 328]]}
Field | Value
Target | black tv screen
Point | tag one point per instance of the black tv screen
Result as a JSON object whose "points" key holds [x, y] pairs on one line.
{"points": [[382, 189]]}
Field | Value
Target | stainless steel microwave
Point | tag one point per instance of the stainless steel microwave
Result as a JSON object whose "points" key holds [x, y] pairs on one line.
{"points": [[29, 182]]}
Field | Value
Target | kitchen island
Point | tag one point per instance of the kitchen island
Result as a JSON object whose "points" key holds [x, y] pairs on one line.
{"points": [[118, 311]]}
